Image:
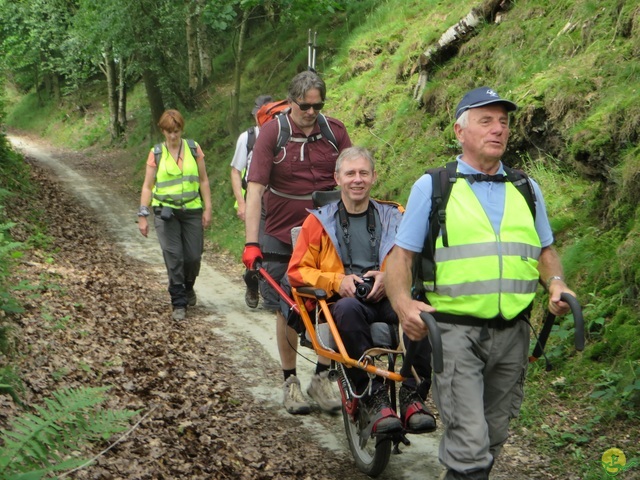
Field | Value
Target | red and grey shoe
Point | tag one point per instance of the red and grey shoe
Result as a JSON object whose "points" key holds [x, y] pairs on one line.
{"points": [[416, 418], [382, 417]]}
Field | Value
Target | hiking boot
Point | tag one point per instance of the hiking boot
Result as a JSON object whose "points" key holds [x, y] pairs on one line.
{"points": [[252, 279], [192, 298], [415, 416], [179, 314], [381, 415], [294, 402], [322, 390], [476, 474], [251, 297]]}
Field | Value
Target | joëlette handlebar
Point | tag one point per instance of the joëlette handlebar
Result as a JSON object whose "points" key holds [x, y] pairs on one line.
{"points": [[258, 266], [436, 347], [578, 320]]}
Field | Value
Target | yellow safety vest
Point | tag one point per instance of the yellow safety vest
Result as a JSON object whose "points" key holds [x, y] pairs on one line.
{"points": [[174, 187], [482, 274]]}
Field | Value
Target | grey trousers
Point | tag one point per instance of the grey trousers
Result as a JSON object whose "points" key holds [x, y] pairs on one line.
{"points": [[479, 391], [182, 242]]}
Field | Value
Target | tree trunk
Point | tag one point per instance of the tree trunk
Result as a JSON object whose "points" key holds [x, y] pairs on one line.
{"points": [[122, 96], [450, 42], [48, 88], [192, 47], [55, 85], [203, 47], [234, 129], [36, 76], [154, 97], [270, 10], [109, 70]]}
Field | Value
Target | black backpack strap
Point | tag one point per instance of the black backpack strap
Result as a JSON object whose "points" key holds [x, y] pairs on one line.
{"points": [[326, 131], [193, 146], [284, 132], [157, 153], [251, 139], [424, 268], [441, 192], [521, 181]]}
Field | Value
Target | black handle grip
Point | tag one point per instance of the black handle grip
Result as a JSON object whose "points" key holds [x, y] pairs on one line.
{"points": [[550, 319], [318, 293], [436, 347], [578, 320]]}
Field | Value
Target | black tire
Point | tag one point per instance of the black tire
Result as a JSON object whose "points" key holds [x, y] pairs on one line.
{"points": [[370, 458]]}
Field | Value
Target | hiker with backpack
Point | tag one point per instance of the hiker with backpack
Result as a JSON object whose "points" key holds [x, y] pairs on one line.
{"points": [[239, 168], [293, 156], [242, 157], [176, 191], [492, 247]]}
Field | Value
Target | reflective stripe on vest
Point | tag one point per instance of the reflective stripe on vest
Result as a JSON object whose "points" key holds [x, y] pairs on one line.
{"points": [[483, 274], [176, 188]]}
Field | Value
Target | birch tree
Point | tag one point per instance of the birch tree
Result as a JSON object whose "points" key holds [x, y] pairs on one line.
{"points": [[454, 37]]}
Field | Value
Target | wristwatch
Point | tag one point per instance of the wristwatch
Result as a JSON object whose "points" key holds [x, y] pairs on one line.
{"points": [[551, 279], [144, 211]]}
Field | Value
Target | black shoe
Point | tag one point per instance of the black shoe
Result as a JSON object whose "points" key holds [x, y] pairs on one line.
{"points": [[192, 298], [415, 416], [251, 296], [381, 415]]}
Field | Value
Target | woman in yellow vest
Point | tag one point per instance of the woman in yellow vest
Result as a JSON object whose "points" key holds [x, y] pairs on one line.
{"points": [[176, 189]]}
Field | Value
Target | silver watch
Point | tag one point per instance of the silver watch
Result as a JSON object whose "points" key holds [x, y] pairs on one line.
{"points": [[551, 279], [144, 211]]}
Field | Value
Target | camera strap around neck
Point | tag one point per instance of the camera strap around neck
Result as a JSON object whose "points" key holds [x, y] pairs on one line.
{"points": [[343, 216]]}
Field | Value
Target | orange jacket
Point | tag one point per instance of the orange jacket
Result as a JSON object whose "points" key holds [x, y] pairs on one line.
{"points": [[316, 261]]}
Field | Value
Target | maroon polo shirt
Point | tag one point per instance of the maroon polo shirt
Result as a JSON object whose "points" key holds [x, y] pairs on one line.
{"points": [[298, 169]]}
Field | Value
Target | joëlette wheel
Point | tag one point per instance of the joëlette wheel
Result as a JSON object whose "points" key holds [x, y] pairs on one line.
{"points": [[371, 456]]}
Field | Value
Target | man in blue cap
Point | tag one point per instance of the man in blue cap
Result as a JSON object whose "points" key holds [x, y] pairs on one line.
{"points": [[487, 270]]}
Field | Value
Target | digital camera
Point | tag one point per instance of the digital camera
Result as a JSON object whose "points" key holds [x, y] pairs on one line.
{"points": [[363, 289]]}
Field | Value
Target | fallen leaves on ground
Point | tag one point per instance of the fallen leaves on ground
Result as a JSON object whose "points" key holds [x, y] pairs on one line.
{"points": [[95, 317]]}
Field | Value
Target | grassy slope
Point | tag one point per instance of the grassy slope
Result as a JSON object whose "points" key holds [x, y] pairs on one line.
{"points": [[578, 125]]}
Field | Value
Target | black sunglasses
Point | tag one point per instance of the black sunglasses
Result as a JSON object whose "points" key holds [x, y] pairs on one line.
{"points": [[306, 106]]}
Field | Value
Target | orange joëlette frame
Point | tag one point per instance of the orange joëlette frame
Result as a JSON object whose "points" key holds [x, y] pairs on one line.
{"points": [[341, 356]]}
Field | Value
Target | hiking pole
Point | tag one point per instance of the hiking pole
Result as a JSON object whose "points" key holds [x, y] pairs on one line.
{"points": [[311, 52], [548, 326], [315, 44], [436, 347]]}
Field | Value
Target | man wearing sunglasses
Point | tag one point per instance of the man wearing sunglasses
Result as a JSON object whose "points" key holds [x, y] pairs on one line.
{"points": [[284, 179]]}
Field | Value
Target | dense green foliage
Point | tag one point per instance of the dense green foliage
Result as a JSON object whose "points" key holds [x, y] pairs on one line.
{"points": [[13, 180], [571, 65]]}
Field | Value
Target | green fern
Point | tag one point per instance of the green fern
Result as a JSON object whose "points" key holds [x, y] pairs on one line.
{"points": [[37, 444], [10, 383]]}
